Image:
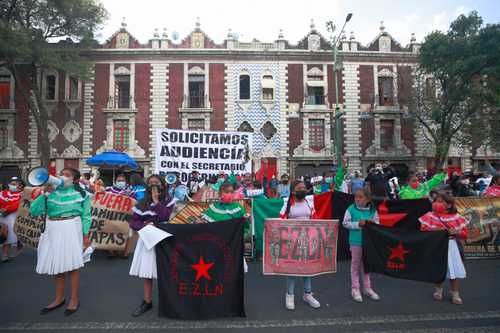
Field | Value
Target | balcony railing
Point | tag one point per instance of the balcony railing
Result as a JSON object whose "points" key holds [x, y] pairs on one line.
{"points": [[316, 100], [124, 102], [195, 102]]}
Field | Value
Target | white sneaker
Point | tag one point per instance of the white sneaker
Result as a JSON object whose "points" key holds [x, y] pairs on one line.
{"points": [[313, 302], [372, 294], [356, 295], [289, 302]]}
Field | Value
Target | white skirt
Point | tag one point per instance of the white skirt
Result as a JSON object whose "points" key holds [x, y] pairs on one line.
{"points": [[456, 268], [9, 221], [60, 248], [144, 262]]}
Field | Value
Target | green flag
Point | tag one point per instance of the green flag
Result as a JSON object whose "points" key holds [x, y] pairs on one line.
{"points": [[263, 209]]}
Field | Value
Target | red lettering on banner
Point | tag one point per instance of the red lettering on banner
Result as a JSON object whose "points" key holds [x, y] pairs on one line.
{"points": [[118, 201], [98, 196], [127, 204], [182, 289], [196, 289], [200, 290], [395, 265]]}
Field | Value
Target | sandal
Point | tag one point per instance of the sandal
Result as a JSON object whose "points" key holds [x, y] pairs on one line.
{"points": [[438, 294], [455, 298]]}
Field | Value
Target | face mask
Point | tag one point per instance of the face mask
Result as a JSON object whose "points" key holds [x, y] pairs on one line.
{"points": [[465, 182], [439, 207], [300, 195], [329, 180], [67, 182], [415, 185], [227, 197], [121, 185], [13, 188]]}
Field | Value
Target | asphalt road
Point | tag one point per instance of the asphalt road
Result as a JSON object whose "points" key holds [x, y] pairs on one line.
{"points": [[109, 295]]}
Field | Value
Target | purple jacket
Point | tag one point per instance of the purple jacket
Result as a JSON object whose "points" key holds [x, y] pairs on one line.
{"points": [[156, 213]]}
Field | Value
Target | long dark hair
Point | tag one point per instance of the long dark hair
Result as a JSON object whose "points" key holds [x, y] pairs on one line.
{"points": [[76, 177], [292, 197], [148, 197]]}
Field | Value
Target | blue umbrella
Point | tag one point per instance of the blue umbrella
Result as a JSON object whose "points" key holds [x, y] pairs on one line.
{"points": [[113, 159]]}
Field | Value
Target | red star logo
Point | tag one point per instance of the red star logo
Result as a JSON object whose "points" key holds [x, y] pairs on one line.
{"points": [[398, 252], [202, 268]]}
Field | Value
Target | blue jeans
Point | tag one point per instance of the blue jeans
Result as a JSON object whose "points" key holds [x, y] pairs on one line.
{"points": [[290, 284]]}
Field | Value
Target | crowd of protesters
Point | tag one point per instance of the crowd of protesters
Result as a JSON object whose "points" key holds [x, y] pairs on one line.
{"points": [[61, 243]]}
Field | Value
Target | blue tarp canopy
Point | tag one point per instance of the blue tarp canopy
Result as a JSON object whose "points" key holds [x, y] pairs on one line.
{"points": [[113, 159]]}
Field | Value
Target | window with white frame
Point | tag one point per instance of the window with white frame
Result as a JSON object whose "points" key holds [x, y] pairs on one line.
{"points": [[385, 88], [50, 87], [315, 87], [244, 86], [122, 91], [73, 89], [196, 89], [121, 133], [267, 88], [316, 134]]}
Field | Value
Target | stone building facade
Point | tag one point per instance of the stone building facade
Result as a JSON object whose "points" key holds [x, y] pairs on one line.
{"points": [[282, 92]]}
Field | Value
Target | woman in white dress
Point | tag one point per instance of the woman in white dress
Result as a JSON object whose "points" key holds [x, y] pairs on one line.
{"points": [[61, 245], [156, 207]]}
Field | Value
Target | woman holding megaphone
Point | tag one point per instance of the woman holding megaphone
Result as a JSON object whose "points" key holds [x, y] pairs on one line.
{"points": [[66, 207]]}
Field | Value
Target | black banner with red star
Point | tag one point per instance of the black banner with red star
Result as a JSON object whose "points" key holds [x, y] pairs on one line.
{"points": [[200, 271], [405, 254], [392, 213]]}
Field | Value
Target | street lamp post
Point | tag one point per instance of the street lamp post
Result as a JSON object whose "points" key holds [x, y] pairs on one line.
{"points": [[335, 40]]}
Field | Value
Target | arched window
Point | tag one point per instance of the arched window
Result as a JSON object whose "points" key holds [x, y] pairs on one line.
{"points": [[244, 86], [267, 88], [50, 85]]}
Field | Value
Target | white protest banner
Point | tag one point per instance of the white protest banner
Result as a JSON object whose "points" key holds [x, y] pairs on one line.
{"points": [[209, 153]]}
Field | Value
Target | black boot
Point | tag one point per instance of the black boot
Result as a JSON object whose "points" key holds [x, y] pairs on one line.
{"points": [[143, 308]]}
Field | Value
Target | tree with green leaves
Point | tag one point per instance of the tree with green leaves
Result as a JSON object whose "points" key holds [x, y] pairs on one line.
{"points": [[27, 31], [456, 84]]}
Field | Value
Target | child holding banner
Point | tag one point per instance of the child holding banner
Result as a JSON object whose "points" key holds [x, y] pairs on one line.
{"points": [[156, 207], [356, 216], [299, 206], [444, 216], [61, 245]]}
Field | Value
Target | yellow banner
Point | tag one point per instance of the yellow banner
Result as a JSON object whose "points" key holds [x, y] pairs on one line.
{"points": [[483, 239]]}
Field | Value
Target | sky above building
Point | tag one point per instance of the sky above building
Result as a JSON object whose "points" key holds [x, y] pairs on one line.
{"points": [[263, 19]]}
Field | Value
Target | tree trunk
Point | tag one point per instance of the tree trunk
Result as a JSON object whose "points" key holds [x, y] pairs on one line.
{"points": [[441, 154]]}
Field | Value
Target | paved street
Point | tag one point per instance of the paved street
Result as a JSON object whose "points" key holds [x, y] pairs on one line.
{"points": [[108, 296]]}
